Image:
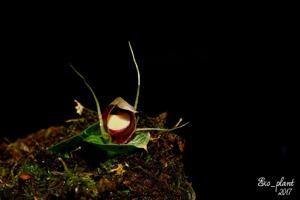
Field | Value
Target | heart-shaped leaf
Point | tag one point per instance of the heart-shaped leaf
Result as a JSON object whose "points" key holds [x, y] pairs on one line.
{"points": [[72, 142], [139, 141], [92, 136]]}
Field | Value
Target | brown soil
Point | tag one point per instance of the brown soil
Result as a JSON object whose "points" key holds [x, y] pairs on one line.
{"points": [[29, 171]]}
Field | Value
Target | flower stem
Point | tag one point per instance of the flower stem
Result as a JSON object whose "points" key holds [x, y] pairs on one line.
{"points": [[104, 134], [138, 78]]}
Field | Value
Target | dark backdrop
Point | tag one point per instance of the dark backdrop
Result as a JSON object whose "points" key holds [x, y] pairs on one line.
{"points": [[240, 109]]}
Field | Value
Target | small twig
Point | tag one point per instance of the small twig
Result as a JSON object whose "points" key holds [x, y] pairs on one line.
{"points": [[13, 168], [138, 78], [64, 164]]}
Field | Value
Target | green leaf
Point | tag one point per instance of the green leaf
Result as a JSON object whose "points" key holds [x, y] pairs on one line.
{"points": [[140, 141], [92, 136], [70, 144]]}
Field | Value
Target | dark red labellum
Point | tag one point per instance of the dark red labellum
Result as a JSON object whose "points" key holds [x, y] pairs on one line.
{"points": [[120, 136]]}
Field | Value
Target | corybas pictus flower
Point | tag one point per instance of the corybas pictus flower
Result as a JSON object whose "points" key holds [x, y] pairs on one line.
{"points": [[119, 121], [116, 131]]}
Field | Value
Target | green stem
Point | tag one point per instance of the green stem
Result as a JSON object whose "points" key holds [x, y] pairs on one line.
{"points": [[138, 77], [105, 135]]}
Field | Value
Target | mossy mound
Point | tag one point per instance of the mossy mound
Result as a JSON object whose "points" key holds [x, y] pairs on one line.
{"points": [[29, 171]]}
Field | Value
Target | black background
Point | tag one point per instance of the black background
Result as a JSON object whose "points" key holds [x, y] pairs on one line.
{"points": [[233, 86]]}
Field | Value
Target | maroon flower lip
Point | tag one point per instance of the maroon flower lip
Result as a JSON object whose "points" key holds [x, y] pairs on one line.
{"points": [[119, 121]]}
